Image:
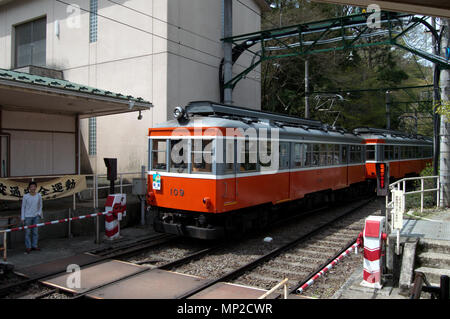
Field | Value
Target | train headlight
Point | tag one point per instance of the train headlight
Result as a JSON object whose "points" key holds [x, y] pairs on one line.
{"points": [[178, 113]]}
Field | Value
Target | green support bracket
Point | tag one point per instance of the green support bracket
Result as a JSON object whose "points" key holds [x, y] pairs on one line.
{"points": [[349, 30]]}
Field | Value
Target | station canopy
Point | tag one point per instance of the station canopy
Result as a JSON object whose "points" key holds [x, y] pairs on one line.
{"points": [[32, 93], [435, 8]]}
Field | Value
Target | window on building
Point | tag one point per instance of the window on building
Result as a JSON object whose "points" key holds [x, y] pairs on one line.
{"points": [[159, 155], [93, 136], [93, 21], [30, 43]]}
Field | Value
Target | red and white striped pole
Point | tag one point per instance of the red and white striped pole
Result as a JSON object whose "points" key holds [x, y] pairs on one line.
{"points": [[328, 267], [373, 240], [115, 208], [65, 220]]}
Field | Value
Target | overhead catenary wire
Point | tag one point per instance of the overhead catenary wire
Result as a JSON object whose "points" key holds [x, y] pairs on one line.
{"points": [[141, 30], [167, 22], [157, 35]]}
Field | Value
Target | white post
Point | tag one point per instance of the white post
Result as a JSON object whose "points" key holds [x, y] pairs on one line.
{"points": [[285, 292]]}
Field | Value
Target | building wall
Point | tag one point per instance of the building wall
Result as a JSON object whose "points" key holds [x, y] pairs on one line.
{"points": [[133, 56], [41, 144]]}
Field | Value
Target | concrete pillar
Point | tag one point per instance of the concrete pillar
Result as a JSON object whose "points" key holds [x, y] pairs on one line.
{"points": [[228, 50], [444, 162]]}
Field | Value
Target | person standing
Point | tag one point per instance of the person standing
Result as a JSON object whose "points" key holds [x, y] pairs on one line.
{"points": [[31, 214]]}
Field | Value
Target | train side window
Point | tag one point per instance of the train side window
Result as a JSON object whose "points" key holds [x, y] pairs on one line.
{"points": [[356, 154], [370, 152], [396, 153], [330, 154], [308, 158], [352, 154], [268, 146], [201, 156], [323, 154], [359, 154], [344, 154], [178, 156], [298, 155], [159, 155], [284, 155], [336, 157], [248, 153], [388, 152], [229, 156], [315, 155]]}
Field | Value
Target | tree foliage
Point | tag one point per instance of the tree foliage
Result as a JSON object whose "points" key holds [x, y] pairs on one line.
{"points": [[373, 67]]}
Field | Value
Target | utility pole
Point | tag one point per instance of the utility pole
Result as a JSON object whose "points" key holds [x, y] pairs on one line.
{"points": [[436, 102], [306, 89], [444, 172], [388, 110], [228, 50]]}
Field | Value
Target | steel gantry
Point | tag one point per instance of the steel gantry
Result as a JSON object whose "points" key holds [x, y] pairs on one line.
{"points": [[343, 33]]}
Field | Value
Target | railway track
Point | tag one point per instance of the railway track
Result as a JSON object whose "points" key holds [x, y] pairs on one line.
{"points": [[297, 259], [316, 239], [32, 283]]}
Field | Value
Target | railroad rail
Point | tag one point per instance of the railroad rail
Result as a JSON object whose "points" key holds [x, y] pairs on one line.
{"points": [[276, 252], [156, 241], [104, 254]]}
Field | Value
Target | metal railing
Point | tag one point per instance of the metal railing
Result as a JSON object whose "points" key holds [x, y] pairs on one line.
{"points": [[400, 185], [95, 195], [95, 185], [397, 206], [94, 181]]}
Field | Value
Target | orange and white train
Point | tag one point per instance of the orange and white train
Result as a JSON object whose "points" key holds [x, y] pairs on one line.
{"points": [[217, 169]]}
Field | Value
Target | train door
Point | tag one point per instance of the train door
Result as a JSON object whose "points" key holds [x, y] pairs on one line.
{"points": [[229, 182]]}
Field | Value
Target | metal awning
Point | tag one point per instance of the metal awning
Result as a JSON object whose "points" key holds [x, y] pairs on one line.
{"points": [[25, 92]]}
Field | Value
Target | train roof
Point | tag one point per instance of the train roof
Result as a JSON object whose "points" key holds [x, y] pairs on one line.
{"points": [[210, 114], [391, 136]]}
